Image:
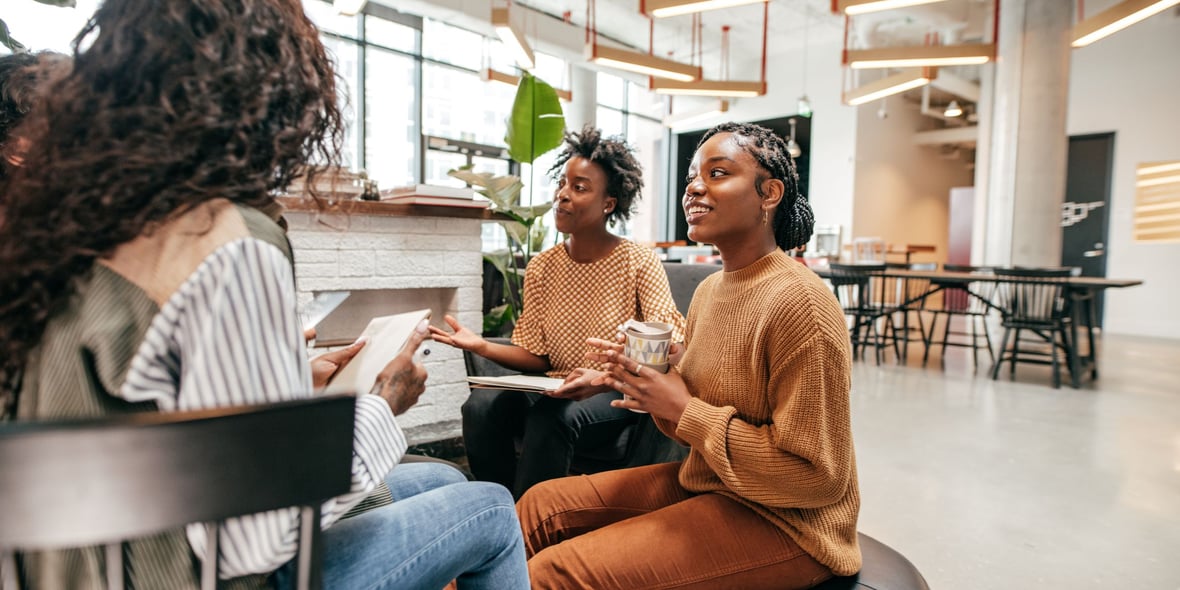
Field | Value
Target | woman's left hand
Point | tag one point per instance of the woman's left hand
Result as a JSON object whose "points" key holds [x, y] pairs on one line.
{"points": [[663, 395], [579, 385], [324, 366]]}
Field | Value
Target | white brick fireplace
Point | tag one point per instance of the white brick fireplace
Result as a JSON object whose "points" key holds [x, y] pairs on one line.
{"points": [[396, 258]]}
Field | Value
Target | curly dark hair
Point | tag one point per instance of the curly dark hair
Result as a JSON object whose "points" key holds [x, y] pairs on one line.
{"points": [[793, 219], [624, 176], [170, 104], [17, 81]]}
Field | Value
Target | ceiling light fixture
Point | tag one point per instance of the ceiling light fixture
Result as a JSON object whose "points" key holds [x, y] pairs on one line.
{"points": [[888, 86], [665, 8], [633, 61], [920, 56], [854, 7], [1117, 18], [641, 63], [687, 118], [953, 110], [792, 145], [490, 75], [721, 88], [513, 39], [724, 88], [348, 7]]}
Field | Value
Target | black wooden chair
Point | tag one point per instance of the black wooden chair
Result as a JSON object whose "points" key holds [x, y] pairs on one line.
{"points": [[972, 302], [869, 302], [104, 482], [1034, 303]]}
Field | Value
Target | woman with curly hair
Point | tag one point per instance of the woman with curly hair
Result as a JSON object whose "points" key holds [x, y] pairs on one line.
{"points": [[584, 287], [140, 271], [767, 497]]}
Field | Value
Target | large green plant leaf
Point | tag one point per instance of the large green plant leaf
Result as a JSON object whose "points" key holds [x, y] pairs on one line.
{"points": [[537, 123], [503, 191], [7, 40]]}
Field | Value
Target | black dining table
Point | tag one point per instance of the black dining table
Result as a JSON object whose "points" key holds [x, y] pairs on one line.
{"points": [[1080, 291]]}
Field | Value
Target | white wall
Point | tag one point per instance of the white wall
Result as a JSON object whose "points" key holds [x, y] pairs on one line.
{"points": [[833, 126], [1129, 83], [902, 190]]}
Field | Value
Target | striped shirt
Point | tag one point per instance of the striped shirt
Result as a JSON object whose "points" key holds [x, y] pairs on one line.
{"points": [[230, 336]]}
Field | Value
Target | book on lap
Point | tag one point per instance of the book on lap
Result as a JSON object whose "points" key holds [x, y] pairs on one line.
{"points": [[386, 335], [534, 383]]}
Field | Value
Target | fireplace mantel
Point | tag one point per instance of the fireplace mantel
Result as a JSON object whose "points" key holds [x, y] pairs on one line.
{"points": [[396, 258], [355, 207]]}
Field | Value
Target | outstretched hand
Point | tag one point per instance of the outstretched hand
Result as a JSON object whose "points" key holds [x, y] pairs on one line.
{"points": [[460, 337], [402, 381]]}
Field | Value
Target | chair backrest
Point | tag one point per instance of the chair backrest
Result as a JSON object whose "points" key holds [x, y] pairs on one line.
{"points": [[970, 297], [852, 284], [102, 482], [683, 280], [1037, 294]]}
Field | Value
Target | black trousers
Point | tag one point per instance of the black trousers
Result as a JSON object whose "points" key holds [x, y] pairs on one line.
{"points": [[549, 431]]}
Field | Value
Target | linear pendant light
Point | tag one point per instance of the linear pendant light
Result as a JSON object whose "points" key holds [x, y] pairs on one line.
{"points": [[854, 7], [491, 75], [513, 39], [923, 55], [1117, 18], [888, 86], [726, 88], [665, 8], [641, 63]]}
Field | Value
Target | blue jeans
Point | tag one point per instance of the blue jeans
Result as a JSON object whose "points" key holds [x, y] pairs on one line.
{"points": [[440, 527]]}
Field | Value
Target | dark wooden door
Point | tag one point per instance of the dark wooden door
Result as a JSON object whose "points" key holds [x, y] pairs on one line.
{"points": [[1087, 202]]}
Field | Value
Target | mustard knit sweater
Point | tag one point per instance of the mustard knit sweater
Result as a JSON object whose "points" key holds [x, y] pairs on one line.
{"points": [[768, 365]]}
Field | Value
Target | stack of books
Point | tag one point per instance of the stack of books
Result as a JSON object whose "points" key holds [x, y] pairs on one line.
{"points": [[429, 194]]}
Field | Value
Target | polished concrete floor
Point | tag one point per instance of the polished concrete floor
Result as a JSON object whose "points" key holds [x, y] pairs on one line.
{"points": [[1012, 484]]}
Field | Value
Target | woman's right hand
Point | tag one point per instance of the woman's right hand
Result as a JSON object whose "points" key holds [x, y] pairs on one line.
{"points": [[460, 337], [402, 381]]}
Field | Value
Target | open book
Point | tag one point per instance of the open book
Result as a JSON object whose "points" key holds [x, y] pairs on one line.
{"points": [[386, 335], [533, 383]]}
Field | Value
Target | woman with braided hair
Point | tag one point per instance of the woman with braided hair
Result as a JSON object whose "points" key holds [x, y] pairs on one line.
{"points": [[582, 288], [767, 497]]}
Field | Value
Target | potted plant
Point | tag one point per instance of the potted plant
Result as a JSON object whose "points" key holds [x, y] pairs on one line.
{"points": [[536, 125]]}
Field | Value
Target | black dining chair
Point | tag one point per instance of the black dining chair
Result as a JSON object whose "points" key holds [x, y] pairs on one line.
{"points": [[1032, 301], [970, 301], [870, 301], [107, 481]]}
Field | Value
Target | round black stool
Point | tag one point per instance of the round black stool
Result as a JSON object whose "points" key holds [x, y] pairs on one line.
{"points": [[881, 568]]}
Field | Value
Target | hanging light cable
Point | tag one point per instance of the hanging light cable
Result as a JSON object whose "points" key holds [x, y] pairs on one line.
{"points": [[803, 106]]}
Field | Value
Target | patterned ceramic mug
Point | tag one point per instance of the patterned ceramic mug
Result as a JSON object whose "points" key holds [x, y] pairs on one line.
{"points": [[648, 343]]}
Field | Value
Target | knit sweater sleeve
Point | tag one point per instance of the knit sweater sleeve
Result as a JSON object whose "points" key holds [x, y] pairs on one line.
{"points": [[801, 458]]}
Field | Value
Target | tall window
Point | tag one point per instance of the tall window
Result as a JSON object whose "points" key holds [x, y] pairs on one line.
{"points": [[629, 110]]}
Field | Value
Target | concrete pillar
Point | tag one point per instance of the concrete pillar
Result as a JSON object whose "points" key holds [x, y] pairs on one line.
{"points": [[1027, 143], [583, 109]]}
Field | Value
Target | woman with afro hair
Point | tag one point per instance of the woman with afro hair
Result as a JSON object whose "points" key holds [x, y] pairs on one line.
{"points": [[584, 287]]}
